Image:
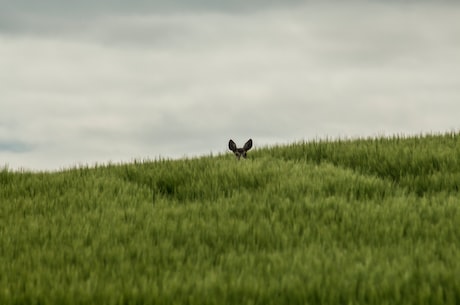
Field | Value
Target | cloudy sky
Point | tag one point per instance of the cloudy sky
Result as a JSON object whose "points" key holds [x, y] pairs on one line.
{"points": [[111, 81]]}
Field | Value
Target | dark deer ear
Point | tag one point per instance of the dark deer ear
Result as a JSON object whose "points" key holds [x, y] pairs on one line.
{"points": [[232, 145], [247, 146]]}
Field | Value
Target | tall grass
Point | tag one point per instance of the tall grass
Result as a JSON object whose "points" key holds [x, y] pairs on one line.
{"points": [[367, 221]]}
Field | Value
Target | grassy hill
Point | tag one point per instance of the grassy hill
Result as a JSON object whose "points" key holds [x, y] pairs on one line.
{"points": [[368, 221]]}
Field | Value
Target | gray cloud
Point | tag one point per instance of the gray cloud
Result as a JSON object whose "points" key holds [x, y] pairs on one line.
{"points": [[141, 6], [14, 146], [132, 83], [52, 17]]}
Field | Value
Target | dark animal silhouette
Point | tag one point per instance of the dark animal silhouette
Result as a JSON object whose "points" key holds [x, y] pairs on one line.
{"points": [[240, 152]]}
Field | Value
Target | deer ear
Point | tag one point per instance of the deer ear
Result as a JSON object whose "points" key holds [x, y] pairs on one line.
{"points": [[232, 145], [247, 146]]}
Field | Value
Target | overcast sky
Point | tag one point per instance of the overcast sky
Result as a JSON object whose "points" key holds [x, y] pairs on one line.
{"points": [[112, 81]]}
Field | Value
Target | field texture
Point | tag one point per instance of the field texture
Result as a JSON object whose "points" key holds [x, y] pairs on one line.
{"points": [[370, 221]]}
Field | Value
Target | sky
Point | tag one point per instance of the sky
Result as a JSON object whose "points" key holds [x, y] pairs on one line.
{"points": [[86, 82]]}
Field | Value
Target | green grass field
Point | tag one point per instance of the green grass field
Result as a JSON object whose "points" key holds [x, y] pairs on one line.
{"points": [[365, 221]]}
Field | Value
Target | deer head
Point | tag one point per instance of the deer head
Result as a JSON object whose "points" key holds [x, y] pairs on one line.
{"points": [[240, 152]]}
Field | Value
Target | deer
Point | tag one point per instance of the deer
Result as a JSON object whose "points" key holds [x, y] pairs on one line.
{"points": [[240, 152]]}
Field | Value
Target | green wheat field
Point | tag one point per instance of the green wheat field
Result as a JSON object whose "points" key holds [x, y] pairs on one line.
{"points": [[359, 221]]}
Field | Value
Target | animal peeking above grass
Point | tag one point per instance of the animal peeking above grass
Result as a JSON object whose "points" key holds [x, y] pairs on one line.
{"points": [[240, 152]]}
